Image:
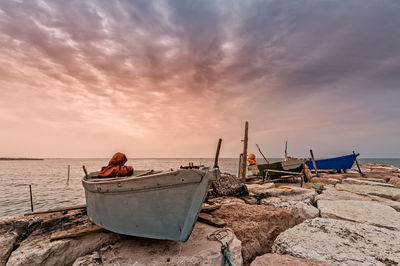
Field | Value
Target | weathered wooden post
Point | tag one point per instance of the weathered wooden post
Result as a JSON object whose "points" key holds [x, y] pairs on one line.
{"points": [[244, 160], [217, 153], [265, 158], [68, 174], [286, 152], [30, 194], [313, 161], [358, 166], [240, 164], [84, 170]]}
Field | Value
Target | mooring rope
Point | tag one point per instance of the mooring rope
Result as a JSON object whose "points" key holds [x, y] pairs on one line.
{"points": [[219, 235]]}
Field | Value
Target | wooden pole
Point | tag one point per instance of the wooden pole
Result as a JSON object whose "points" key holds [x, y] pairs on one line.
{"points": [[244, 162], [72, 233], [217, 153], [313, 161], [282, 172], [358, 166], [68, 173], [30, 194], [286, 151], [240, 164], [262, 154], [84, 170]]}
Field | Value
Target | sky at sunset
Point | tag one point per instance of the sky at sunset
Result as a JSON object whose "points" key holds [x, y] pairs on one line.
{"points": [[168, 78]]}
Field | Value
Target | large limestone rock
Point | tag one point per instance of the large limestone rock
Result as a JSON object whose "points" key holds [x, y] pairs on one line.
{"points": [[7, 242], [256, 226], [60, 252], [384, 192], [93, 259], [226, 200], [300, 210], [32, 246], [12, 231], [339, 194], [259, 190], [382, 168], [198, 250], [395, 181], [285, 260], [360, 211], [381, 175], [284, 194], [365, 182], [340, 242]]}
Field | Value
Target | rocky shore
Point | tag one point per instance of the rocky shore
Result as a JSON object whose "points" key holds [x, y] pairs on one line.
{"points": [[336, 219]]}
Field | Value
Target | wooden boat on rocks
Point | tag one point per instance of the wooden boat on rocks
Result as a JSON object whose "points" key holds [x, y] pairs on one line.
{"points": [[278, 168], [162, 205]]}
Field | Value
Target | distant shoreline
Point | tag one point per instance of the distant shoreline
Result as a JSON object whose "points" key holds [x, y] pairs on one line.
{"points": [[20, 159]]}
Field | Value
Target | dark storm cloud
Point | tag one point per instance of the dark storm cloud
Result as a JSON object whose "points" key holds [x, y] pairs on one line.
{"points": [[309, 44]]}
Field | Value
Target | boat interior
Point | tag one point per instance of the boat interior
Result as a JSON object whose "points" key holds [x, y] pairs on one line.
{"points": [[93, 176]]}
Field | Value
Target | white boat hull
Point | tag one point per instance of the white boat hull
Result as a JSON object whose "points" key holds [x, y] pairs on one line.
{"points": [[159, 206]]}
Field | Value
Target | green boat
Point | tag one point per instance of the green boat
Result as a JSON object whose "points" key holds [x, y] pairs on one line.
{"points": [[293, 165]]}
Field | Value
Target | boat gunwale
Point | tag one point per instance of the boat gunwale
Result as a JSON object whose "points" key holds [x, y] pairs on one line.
{"points": [[133, 178], [337, 158], [300, 161], [140, 189]]}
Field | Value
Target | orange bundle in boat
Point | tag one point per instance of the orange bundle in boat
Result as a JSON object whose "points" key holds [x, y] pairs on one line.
{"points": [[116, 167]]}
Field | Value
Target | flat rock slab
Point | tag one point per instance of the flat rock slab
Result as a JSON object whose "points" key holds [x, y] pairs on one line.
{"points": [[367, 212], [365, 182], [381, 175], [300, 210], [340, 242], [339, 194], [285, 260], [256, 226], [324, 180], [384, 192], [336, 176], [60, 252], [372, 179], [290, 194], [32, 245], [259, 190], [226, 200], [380, 167], [198, 250]]}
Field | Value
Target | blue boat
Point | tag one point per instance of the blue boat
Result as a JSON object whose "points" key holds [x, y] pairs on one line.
{"points": [[337, 163]]}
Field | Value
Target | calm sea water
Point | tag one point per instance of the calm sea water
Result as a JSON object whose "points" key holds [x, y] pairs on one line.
{"points": [[49, 179]]}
